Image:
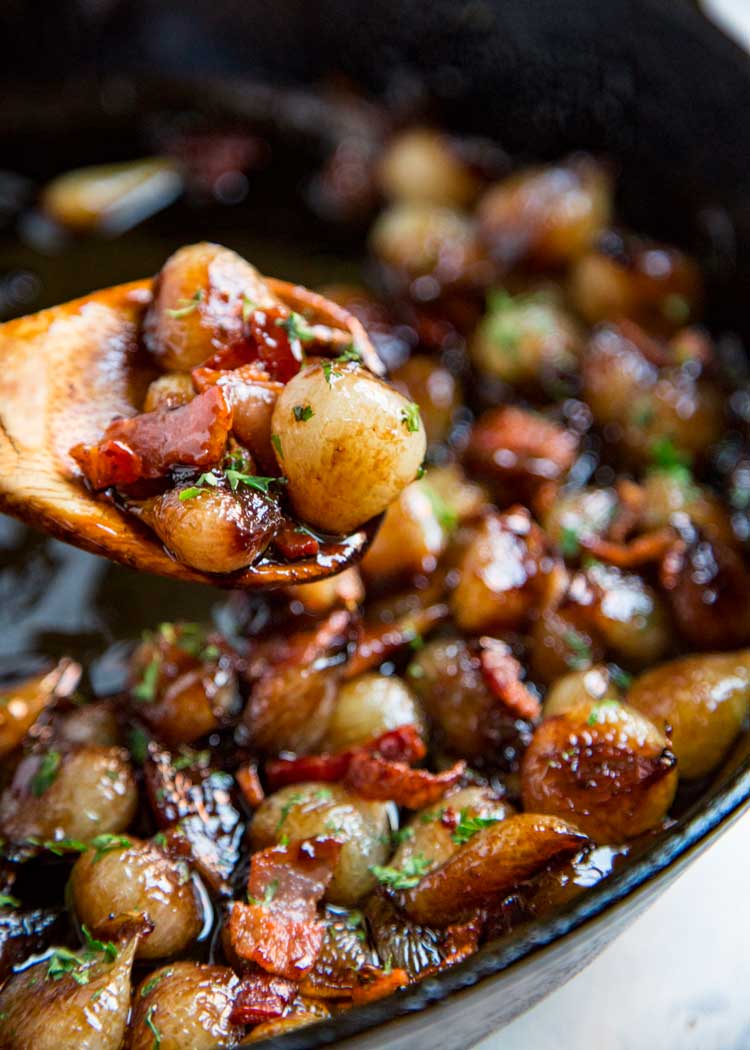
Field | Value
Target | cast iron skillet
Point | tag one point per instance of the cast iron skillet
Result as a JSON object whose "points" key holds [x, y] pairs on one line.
{"points": [[652, 84]]}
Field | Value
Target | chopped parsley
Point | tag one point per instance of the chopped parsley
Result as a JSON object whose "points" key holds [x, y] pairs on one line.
{"points": [[105, 843], [268, 894], [288, 806], [445, 514], [46, 775], [410, 417], [235, 478], [401, 835], [145, 689], [7, 900], [296, 328], [302, 413], [248, 307], [620, 678], [666, 456], [62, 846], [153, 982], [596, 711], [63, 961], [276, 442], [579, 656], [420, 472], [350, 354], [138, 740], [570, 546], [149, 1019], [467, 826], [94, 945], [404, 878], [188, 305]]}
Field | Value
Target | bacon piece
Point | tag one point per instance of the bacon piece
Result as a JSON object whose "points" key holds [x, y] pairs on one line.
{"points": [[249, 784], [377, 643], [262, 997], [403, 744], [650, 547], [279, 930], [374, 777], [270, 331], [146, 446], [502, 674], [293, 544], [377, 984], [514, 444]]}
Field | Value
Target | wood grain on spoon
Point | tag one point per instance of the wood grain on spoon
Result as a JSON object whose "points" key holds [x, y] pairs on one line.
{"points": [[65, 373]]}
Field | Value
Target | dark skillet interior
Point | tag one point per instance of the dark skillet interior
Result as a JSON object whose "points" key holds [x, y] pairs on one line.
{"points": [[650, 84]]}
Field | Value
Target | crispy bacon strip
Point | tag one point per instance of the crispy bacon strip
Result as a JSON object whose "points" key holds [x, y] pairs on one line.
{"points": [[262, 997], [279, 929], [377, 778], [377, 643], [146, 446], [377, 984], [502, 674], [403, 744], [249, 784], [650, 547]]}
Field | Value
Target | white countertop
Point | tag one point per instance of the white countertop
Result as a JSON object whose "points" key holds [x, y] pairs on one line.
{"points": [[679, 978]]}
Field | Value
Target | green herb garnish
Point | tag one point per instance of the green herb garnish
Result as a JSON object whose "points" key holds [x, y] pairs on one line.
{"points": [[302, 413], [445, 514], [296, 328], [410, 417], [401, 835], [276, 442], [138, 740], [248, 307], [145, 689], [620, 678], [63, 961], [467, 826], [7, 900], [149, 1019], [188, 305], [105, 843], [288, 806], [570, 546], [404, 878], [597, 709], [46, 774], [94, 945], [268, 894], [580, 650]]}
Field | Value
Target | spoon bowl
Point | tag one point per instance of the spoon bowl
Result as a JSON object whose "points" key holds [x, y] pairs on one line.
{"points": [[66, 372]]}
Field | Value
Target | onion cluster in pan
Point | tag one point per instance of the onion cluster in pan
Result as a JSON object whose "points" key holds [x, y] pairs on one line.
{"points": [[368, 776]]}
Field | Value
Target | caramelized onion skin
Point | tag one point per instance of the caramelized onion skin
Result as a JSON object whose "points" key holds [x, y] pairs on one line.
{"points": [[603, 766], [702, 701], [139, 879], [217, 530], [302, 811], [54, 1014], [490, 865], [214, 281], [190, 1004], [93, 792]]}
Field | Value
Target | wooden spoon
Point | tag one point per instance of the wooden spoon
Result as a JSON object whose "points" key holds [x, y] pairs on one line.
{"points": [[66, 372]]}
